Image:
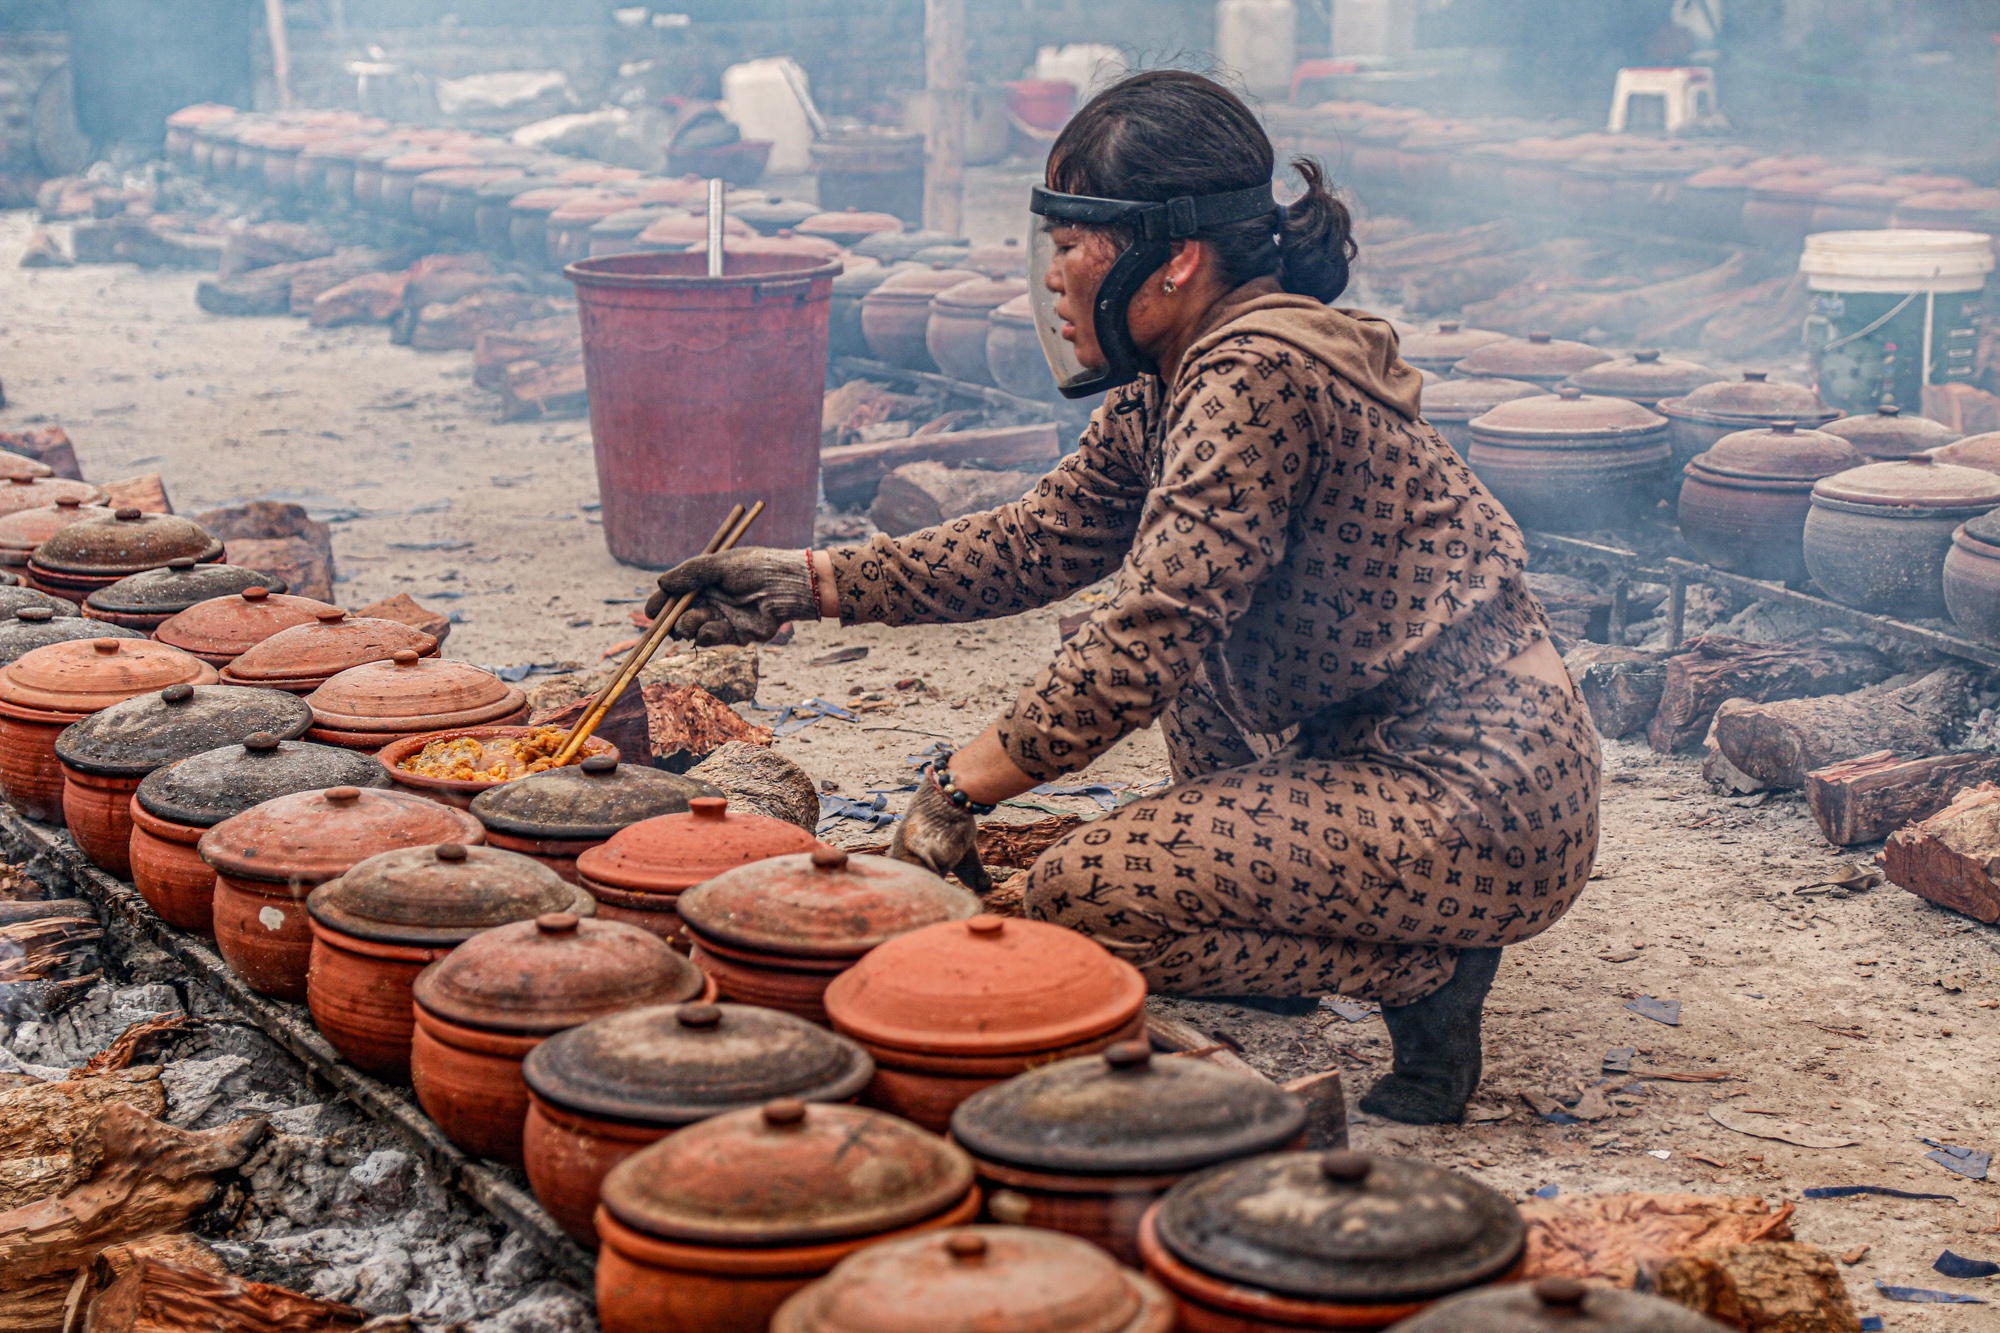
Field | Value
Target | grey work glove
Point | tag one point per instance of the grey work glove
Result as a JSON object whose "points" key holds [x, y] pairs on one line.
{"points": [[940, 836], [741, 596]]}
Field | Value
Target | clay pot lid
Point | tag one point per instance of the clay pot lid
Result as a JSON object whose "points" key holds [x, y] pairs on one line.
{"points": [[14, 465], [1018, 313], [681, 191], [500, 191], [629, 222], [432, 897], [1918, 481], [775, 212], [32, 492], [1126, 1112], [597, 173], [84, 675], [668, 853], [848, 225], [14, 599], [787, 1173], [230, 626], [25, 529], [1724, 178], [1463, 399], [585, 802], [1985, 528], [1755, 396], [1557, 1305], [674, 1064], [681, 229], [1646, 374], [408, 692], [1006, 260], [545, 199], [858, 279], [129, 542], [133, 737], [334, 642], [554, 972], [920, 283], [308, 837], [893, 247], [1888, 435], [987, 985], [1569, 414], [1779, 452], [200, 113], [1926, 183], [1450, 341], [1866, 192], [429, 159], [1980, 451], [1341, 1226], [1536, 356], [204, 789], [30, 627], [978, 1280], [589, 207], [1953, 201], [979, 295], [176, 586], [820, 904]]}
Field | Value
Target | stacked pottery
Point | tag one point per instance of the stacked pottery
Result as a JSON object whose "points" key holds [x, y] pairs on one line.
{"points": [[1644, 378], [1450, 405], [557, 816], [222, 629], [1703, 416], [1743, 506], [365, 707], [484, 1006], [106, 756], [1557, 1305], [956, 1007], [1014, 355], [45, 690], [82, 557], [394, 914], [957, 332], [710, 1229], [1538, 358], [1440, 349], [148, 600], [1086, 1145], [895, 317], [1360, 1242], [18, 492], [844, 336], [269, 857], [25, 529], [601, 1092], [1972, 578], [461, 792], [1877, 536], [29, 627], [569, 225], [777, 932], [304, 657], [1571, 462], [175, 805], [638, 874], [1886, 435]]}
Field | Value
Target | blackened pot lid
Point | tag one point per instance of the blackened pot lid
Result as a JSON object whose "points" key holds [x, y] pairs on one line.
{"points": [[32, 627], [133, 738], [586, 802], [129, 542], [17, 599], [438, 896], [204, 789], [1557, 1305], [176, 586]]}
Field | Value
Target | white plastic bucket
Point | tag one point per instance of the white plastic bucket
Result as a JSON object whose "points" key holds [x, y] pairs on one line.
{"points": [[1893, 311], [766, 100], [1897, 261]]}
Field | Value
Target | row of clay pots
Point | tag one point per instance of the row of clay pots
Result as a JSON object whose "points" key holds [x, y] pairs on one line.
{"points": [[974, 327]]}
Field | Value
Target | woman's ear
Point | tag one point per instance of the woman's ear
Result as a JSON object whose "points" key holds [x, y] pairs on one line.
{"points": [[1188, 257]]}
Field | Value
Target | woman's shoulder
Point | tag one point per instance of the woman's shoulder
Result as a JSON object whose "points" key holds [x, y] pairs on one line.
{"points": [[1345, 357]]}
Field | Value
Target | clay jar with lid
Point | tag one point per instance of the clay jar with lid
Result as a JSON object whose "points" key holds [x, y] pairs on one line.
{"points": [[895, 317], [638, 874], [601, 1092], [1450, 405], [1539, 358], [957, 331], [366, 707], [776, 932], [1438, 350], [458, 791], [394, 914], [956, 1007], [1571, 462], [1556, 1305], [268, 858], [1014, 351], [1743, 506], [148, 600], [1877, 536], [486, 1004], [82, 557], [989, 1279], [711, 1228], [848, 226], [222, 629], [859, 278], [46, 689], [106, 755], [1703, 416], [25, 529], [557, 816], [1644, 378], [31, 627], [19, 492], [304, 657], [1981, 451], [1086, 1145], [1306, 1240], [1886, 435], [1972, 578]]}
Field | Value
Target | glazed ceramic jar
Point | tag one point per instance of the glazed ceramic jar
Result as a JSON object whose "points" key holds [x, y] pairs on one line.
{"points": [[978, 1280], [1086, 1145], [365, 707], [557, 816], [601, 1092], [304, 657], [269, 857], [1450, 405], [1014, 352], [776, 932], [1972, 578], [1877, 536], [46, 689], [958, 328], [82, 557], [19, 492], [31, 627], [1572, 462], [148, 600], [175, 805], [1705, 415], [956, 1007], [1644, 378], [895, 317], [710, 1229], [394, 914], [462, 791], [1557, 1305], [25, 529], [484, 1006], [222, 629], [1743, 506], [1538, 358], [106, 755], [1886, 435], [637, 875], [1359, 1242], [1438, 350]]}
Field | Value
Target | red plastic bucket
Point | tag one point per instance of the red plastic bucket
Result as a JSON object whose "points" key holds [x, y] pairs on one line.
{"points": [[704, 393]]}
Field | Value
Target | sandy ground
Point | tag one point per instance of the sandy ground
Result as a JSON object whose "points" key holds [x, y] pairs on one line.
{"points": [[1865, 1017]]}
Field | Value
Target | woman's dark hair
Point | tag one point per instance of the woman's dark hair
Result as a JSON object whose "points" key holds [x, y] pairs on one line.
{"points": [[1166, 133]]}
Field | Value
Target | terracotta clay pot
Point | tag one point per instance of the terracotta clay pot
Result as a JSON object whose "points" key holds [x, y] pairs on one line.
{"points": [[1972, 578], [94, 553], [32, 627], [1886, 435], [1877, 536], [774, 213], [365, 707], [557, 816], [492, 213], [1705, 415], [956, 1007], [23, 490], [776, 932], [25, 529], [222, 629], [638, 874], [1450, 343], [400, 175], [710, 1229], [1450, 405], [453, 791], [148, 600], [1643, 378], [528, 221], [1538, 358], [1571, 462], [1981, 451], [383, 922], [1743, 506], [458, 197], [848, 226], [958, 328], [601, 1092], [895, 317], [484, 1006], [682, 229], [567, 233], [1014, 352], [268, 858], [304, 657]]}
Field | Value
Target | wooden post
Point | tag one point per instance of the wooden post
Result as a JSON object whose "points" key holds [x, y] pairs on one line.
{"points": [[281, 51], [944, 146]]}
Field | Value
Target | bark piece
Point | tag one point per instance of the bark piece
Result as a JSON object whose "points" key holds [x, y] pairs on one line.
{"points": [[372, 298], [1779, 743], [456, 325], [859, 404], [1620, 1238], [853, 472], [729, 673], [12, 911], [1714, 668], [550, 341], [43, 946], [1953, 857], [277, 539], [317, 277], [50, 445], [264, 291], [48, 1140], [1326, 1109], [759, 779], [146, 493], [157, 1295], [1578, 611], [405, 610], [1763, 1287], [626, 726], [1621, 686], [923, 495], [1871, 796], [536, 390], [688, 724]]}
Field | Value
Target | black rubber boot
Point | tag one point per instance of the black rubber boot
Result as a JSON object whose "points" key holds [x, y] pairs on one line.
{"points": [[1436, 1044]]}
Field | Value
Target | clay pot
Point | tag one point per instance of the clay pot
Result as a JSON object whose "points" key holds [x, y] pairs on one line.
{"points": [[222, 629], [1005, 260], [1886, 435], [568, 228], [848, 226], [452, 791], [1980, 451], [1364, 1242], [890, 247], [1972, 578], [106, 755], [710, 1229], [147, 601], [618, 234], [1571, 462], [775, 213], [1557, 1305], [304, 657], [844, 336], [1450, 343], [367, 706], [23, 490], [637, 874], [400, 173], [557, 816], [601, 1092], [492, 216], [31, 627], [25, 529], [1086, 1145], [46, 689], [1014, 352], [1538, 358], [1877, 536], [958, 328], [895, 317], [1705, 415], [776, 932], [394, 914], [1743, 506], [484, 1006], [680, 230], [1856, 206], [269, 857], [956, 1007], [458, 197], [1450, 405], [528, 221], [82, 557], [1643, 378]]}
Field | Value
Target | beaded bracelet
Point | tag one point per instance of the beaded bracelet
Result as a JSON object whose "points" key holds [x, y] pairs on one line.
{"points": [[812, 576], [942, 776]]}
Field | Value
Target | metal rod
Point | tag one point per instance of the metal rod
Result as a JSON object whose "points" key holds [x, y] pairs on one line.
{"points": [[715, 227], [281, 51]]}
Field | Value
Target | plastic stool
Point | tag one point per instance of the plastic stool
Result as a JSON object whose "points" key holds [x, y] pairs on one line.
{"points": [[1687, 92]]}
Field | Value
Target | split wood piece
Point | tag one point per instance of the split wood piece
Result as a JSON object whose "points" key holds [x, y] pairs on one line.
{"points": [[1952, 858], [272, 290], [34, 949], [44, 251], [1713, 668], [1779, 743], [1624, 1238], [1762, 1287], [265, 244], [12, 912], [430, 284], [853, 472], [760, 781], [533, 389], [372, 298], [687, 724], [456, 325], [1560, 308], [320, 276], [157, 1295], [1621, 686], [48, 1131], [923, 495], [859, 404], [405, 610], [1430, 249], [146, 493], [278, 539], [727, 671], [50, 445], [548, 341], [1869, 797], [114, 1261], [129, 1044]]}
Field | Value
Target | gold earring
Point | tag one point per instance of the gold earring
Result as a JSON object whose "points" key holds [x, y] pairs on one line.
{"points": [[1167, 285]]}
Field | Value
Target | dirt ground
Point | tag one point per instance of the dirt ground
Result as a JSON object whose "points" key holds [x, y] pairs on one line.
{"points": [[1866, 1016]]}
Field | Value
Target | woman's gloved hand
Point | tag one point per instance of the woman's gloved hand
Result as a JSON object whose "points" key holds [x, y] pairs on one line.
{"points": [[940, 836], [741, 596]]}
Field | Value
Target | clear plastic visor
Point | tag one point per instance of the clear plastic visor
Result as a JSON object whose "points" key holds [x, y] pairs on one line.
{"points": [[1069, 371]]}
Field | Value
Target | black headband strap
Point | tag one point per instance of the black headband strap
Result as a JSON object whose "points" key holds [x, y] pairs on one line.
{"points": [[1173, 219]]}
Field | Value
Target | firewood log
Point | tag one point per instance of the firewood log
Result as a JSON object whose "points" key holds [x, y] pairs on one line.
{"points": [[1873, 795], [1713, 668], [372, 298], [456, 325], [1762, 1287], [1621, 686], [1953, 857], [533, 389], [406, 610], [50, 446], [853, 472], [153, 1294], [146, 493], [1778, 743], [923, 495], [48, 1131]]}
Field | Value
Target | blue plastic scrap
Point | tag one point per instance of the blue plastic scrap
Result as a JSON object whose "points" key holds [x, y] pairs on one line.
{"points": [[1965, 1161], [1849, 1191], [1548, 1192], [1660, 1011], [1347, 1009], [797, 717], [1871, 1323], [1924, 1295], [1618, 1060], [1957, 1265], [833, 809]]}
